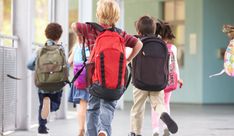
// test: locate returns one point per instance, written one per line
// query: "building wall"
(192, 70)
(216, 13)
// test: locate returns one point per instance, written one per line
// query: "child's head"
(164, 30)
(146, 25)
(53, 31)
(229, 30)
(108, 12)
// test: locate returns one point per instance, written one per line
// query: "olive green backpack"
(51, 71)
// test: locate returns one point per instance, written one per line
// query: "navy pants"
(55, 100)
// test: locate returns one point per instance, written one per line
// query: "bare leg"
(82, 117)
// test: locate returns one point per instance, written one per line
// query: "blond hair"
(108, 12)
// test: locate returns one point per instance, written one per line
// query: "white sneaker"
(155, 132)
(102, 133)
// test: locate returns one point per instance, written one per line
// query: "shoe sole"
(171, 124)
(45, 108)
(43, 135)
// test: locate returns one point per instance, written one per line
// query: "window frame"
(174, 24)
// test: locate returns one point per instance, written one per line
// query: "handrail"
(9, 37)
(38, 44)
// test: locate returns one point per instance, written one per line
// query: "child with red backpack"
(107, 44)
(164, 31)
(150, 72)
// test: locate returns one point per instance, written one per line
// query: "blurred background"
(197, 25)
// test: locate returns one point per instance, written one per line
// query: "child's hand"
(180, 81)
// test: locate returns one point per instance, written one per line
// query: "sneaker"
(102, 133)
(43, 131)
(156, 131)
(171, 124)
(43, 135)
(166, 132)
(133, 134)
(45, 108)
(155, 134)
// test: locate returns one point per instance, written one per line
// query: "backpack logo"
(172, 75)
(51, 72)
(150, 66)
(108, 55)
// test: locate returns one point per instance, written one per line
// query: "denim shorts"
(78, 94)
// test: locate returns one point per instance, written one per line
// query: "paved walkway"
(193, 120)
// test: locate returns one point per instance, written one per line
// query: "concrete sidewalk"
(193, 120)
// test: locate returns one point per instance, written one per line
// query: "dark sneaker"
(42, 130)
(133, 134)
(166, 132)
(171, 124)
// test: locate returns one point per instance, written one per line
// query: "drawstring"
(218, 74)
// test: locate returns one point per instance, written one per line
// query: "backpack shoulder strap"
(101, 29)
(96, 26)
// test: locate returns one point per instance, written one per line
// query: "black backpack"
(150, 66)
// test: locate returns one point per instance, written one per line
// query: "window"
(6, 20)
(73, 17)
(174, 13)
(41, 20)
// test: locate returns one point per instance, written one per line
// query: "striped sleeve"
(130, 41)
(83, 29)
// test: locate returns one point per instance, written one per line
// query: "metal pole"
(22, 27)
(61, 16)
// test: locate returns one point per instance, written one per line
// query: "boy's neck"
(106, 26)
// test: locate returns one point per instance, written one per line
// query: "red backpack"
(108, 55)
(172, 75)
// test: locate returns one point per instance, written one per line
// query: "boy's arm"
(135, 51)
(32, 61)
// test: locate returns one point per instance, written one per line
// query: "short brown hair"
(53, 31)
(146, 25)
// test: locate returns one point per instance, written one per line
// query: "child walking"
(164, 31)
(80, 93)
(49, 102)
(146, 27)
(100, 111)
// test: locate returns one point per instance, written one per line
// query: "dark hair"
(164, 30)
(146, 25)
(53, 31)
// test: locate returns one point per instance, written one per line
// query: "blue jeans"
(55, 100)
(100, 113)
